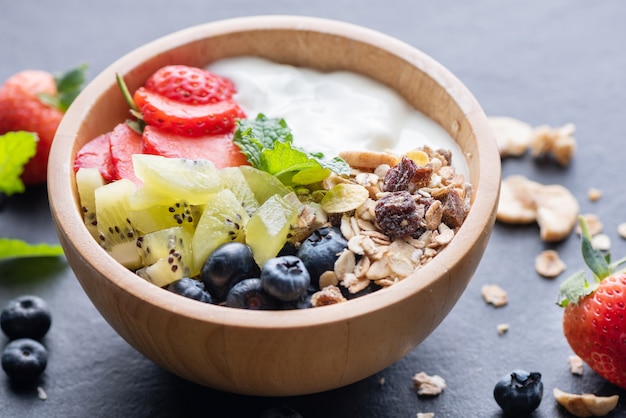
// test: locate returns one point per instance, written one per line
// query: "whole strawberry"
(594, 319)
(35, 101)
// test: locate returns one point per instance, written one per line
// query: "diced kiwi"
(167, 180)
(157, 217)
(116, 233)
(232, 178)
(268, 229)
(223, 220)
(166, 255)
(87, 181)
(263, 184)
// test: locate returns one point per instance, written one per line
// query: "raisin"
(397, 215)
(399, 176)
(453, 207)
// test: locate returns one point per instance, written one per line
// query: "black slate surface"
(543, 62)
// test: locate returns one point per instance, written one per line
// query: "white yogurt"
(331, 112)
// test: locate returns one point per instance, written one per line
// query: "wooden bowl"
(279, 353)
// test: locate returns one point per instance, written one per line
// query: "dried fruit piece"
(553, 207)
(400, 176)
(344, 197)
(513, 136)
(587, 404)
(398, 215)
(558, 143)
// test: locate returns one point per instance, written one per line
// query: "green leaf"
(267, 144)
(12, 248)
(16, 149)
(593, 257)
(575, 288)
(69, 85)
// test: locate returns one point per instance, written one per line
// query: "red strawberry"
(35, 101)
(125, 142)
(187, 119)
(218, 148)
(190, 85)
(97, 153)
(594, 319)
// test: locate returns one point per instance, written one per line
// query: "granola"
(401, 212)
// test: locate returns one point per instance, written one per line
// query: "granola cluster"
(407, 212)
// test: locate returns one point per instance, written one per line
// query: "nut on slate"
(427, 385)
(549, 264)
(512, 135)
(559, 143)
(553, 207)
(586, 405)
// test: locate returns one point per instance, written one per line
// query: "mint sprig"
(577, 286)
(69, 85)
(267, 144)
(16, 149)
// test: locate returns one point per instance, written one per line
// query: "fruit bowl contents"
(270, 227)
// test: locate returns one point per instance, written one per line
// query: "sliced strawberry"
(124, 142)
(97, 153)
(217, 148)
(190, 85)
(186, 119)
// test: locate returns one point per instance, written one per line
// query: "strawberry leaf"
(594, 258)
(575, 288)
(16, 148)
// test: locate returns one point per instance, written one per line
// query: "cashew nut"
(586, 405)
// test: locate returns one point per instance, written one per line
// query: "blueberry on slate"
(24, 359)
(190, 288)
(320, 251)
(26, 317)
(249, 294)
(285, 278)
(519, 393)
(227, 265)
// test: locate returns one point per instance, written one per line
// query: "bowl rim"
(69, 223)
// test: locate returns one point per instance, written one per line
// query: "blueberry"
(190, 288)
(24, 359)
(26, 317)
(249, 294)
(371, 287)
(320, 251)
(519, 393)
(227, 265)
(285, 278)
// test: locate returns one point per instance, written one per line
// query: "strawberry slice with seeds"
(217, 148)
(97, 154)
(187, 119)
(124, 142)
(190, 85)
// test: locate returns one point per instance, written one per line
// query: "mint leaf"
(12, 248)
(16, 148)
(267, 144)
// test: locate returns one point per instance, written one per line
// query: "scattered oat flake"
(621, 230)
(494, 295)
(425, 415)
(41, 393)
(549, 264)
(594, 194)
(381, 381)
(428, 385)
(502, 328)
(601, 242)
(575, 364)
(594, 224)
